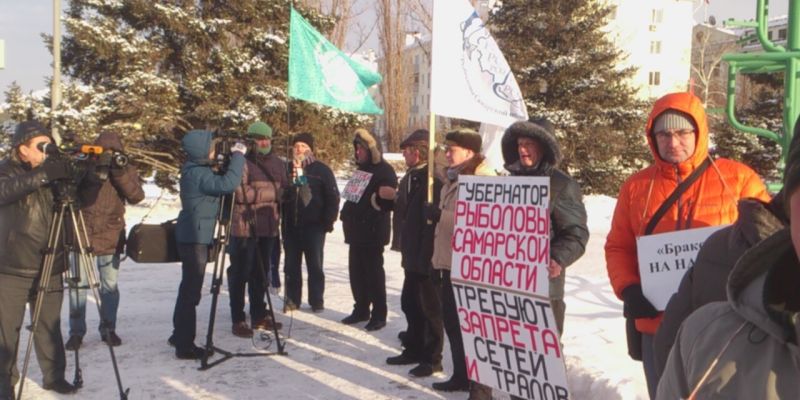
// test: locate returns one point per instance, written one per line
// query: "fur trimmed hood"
(364, 138)
(543, 132)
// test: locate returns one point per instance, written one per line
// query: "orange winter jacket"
(711, 200)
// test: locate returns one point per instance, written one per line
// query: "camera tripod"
(67, 224)
(221, 237)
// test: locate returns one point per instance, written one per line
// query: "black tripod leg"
(222, 230)
(72, 288)
(44, 281)
(87, 264)
(270, 310)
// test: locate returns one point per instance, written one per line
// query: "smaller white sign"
(664, 259)
(356, 186)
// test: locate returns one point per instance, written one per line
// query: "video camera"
(222, 142)
(83, 159)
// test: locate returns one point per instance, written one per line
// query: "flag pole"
(431, 154)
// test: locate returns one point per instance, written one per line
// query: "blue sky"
(29, 63)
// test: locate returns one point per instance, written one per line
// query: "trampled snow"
(326, 359)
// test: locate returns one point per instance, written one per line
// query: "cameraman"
(103, 206)
(200, 189)
(26, 213)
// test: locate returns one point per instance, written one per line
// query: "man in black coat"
(419, 300)
(530, 148)
(310, 209)
(366, 223)
(26, 214)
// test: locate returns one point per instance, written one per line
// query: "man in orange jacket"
(677, 133)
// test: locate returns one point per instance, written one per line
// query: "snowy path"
(326, 359)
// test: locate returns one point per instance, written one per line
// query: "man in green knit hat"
(254, 231)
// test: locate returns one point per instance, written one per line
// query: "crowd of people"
(745, 340)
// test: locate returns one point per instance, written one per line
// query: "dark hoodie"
(367, 223)
(201, 188)
(568, 230)
(103, 202)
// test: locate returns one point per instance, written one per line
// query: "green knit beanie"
(259, 128)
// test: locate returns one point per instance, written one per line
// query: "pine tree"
(153, 70)
(764, 110)
(567, 70)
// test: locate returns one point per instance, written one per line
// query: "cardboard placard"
(665, 257)
(356, 186)
(501, 250)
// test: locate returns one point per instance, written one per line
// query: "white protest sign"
(664, 259)
(356, 185)
(501, 250)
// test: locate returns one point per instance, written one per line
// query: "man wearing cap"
(254, 231)
(310, 208)
(366, 225)
(747, 347)
(26, 214)
(419, 300)
(677, 133)
(530, 148)
(463, 153)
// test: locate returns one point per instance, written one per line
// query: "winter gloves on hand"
(635, 305)
(239, 147)
(432, 212)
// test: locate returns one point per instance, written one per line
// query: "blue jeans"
(108, 268)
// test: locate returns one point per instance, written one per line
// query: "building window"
(655, 47)
(657, 16)
(782, 34)
(655, 78)
(769, 35)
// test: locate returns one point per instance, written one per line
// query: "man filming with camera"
(26, 214)
(103, 197)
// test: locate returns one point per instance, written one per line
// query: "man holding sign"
(365, 221)
(683, 189)
(530, 148)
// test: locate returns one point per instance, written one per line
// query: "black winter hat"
(28, 130)
(304, 137)
(417, 138)
(466, 138)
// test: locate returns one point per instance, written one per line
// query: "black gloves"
(56, 168)
(635, 305)
(432, 212)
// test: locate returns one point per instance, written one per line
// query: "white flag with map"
(470, 78)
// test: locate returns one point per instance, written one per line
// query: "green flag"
(321, 73)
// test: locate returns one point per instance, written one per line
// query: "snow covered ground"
(326, 359)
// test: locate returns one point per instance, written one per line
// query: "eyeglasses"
(681, 134)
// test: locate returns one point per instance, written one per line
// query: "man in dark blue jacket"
(366, 223)
(201, 189)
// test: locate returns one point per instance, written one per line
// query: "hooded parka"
(367, 223)
(706, 281)
(753, 336)
(568, 231)
(103, 201)
(201, 189)
(710, 201)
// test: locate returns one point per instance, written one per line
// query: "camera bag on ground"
(153, 243)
